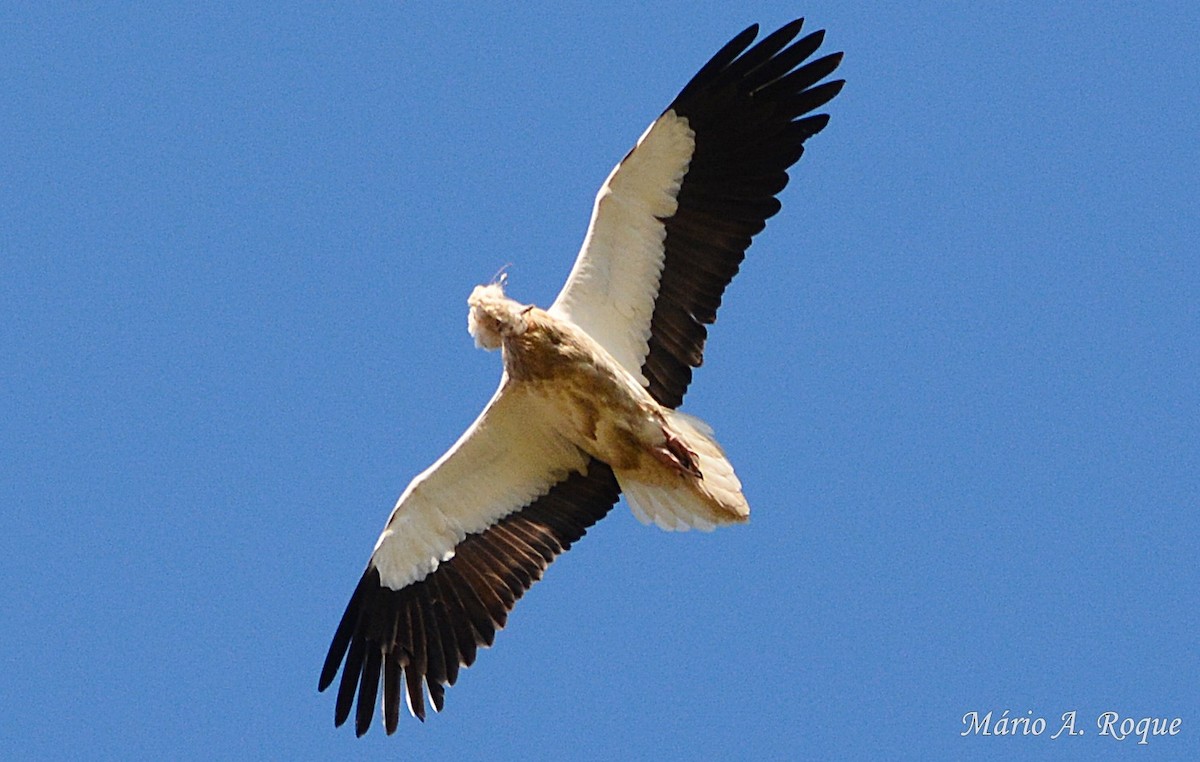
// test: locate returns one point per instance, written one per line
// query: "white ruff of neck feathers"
(493, 315)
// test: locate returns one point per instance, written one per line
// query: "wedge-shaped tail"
(683, 501)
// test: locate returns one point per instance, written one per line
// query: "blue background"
(959, 375)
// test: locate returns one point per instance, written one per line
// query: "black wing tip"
(368, 690)
(828, 64)
(473, 592)
(743, 38)
(326, 678)
(752, 108)
(743, 62)
(437, 696)
(823, 93)
(722, 59)
(346, 629)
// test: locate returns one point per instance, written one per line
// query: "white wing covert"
(611, 290)
(508, 457)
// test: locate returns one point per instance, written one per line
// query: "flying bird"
(586, 407)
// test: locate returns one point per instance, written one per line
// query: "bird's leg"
(677, 455)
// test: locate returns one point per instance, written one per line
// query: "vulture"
(586, 406)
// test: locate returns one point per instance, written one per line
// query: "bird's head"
(493, 316)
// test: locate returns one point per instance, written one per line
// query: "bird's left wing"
(672, 222)
(465, 541)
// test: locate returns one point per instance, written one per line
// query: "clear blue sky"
(959, 375)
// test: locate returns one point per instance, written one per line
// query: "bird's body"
(601, 408)
(586, 406)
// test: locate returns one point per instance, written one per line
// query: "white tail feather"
(676, 501)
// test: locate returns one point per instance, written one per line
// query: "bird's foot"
(677, 455)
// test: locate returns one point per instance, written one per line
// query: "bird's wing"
(672, 222)
(669, 229)
(465, 541)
